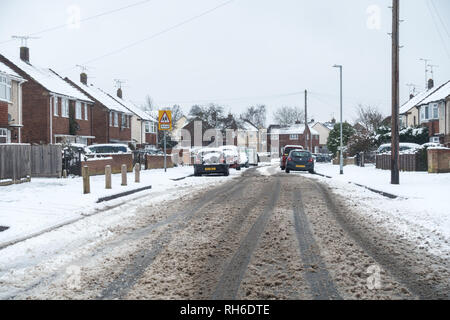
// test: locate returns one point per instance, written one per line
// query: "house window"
(55, 106)
(147, 127)
(78, 115)
(293, 137)
(4, 136)
(124, 120)
(65, 108)
(154, 127)
(110, 119)
(427, 113)
(5, 88)
(85, 111)
(116, 119)
(435, 111)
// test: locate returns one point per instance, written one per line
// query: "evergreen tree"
(334, 140)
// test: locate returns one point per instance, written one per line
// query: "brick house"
(112, 121)
(10, 105)
(297, 134)
(144, 127)
(52, 110)
(434, 113)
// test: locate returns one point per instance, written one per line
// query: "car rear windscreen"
(300, 154)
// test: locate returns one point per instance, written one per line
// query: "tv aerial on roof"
(24, 39)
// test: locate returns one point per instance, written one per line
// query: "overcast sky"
(242, 53)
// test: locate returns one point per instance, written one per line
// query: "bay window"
(65, 107)
(86, 112)
(5, 88)
(78, 110)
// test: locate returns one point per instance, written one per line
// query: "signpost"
(165, 124)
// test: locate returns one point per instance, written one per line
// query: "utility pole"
(395, 175)
(341, 156)
(306, 117)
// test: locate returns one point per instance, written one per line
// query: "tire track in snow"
(233, 274)
(322, 286)
(121, 285)
(405, 269)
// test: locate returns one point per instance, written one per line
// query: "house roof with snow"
(441, 93)
(7, 70)
(324, 125)
(48, 79)
(101, 96)
(422, 97)
(293, 129)
(142, 114)
(248, 126)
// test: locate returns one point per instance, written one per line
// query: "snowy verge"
(31, 208)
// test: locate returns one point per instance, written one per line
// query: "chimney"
(411, 96)
(83, 78)
(298, 122)
(25, 54)
(430, 84)
(119, 93)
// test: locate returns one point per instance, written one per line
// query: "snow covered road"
(261, 234)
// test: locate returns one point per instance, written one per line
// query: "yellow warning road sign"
(165, 120)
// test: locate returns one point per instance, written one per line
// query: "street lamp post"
(341, 156)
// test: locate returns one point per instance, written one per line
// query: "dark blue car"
(300, 160)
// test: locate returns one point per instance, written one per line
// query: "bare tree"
(256, 115)
(369, 117)
(286, 116)
(177, 113)
(148, 105)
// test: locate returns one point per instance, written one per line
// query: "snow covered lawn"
(422, 212)
(29, 208)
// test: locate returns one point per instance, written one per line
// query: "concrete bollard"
(124, 174)
(108, 177)
(64, 174)
(137, 173)
(86, 182)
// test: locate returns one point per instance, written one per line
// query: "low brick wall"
(438, 160)
(97, 165)
(157, 162)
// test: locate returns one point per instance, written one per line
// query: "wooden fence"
(19, 161)
(15, 162)
(46, 161)
(407, 162)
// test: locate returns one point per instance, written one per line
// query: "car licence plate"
(300, 166)
(210, 169)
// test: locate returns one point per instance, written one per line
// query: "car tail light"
(289, 159)
(310, 160)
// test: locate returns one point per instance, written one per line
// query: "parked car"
(231, 156)
(285, 153)
(100, 149)
(300, 160)
(243, 157)
(253, 158)
(211, 161)
(404, 147)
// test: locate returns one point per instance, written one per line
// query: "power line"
(437, 29)
(159, 33)
(85, 19)
(440, 18)
(274, 96)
